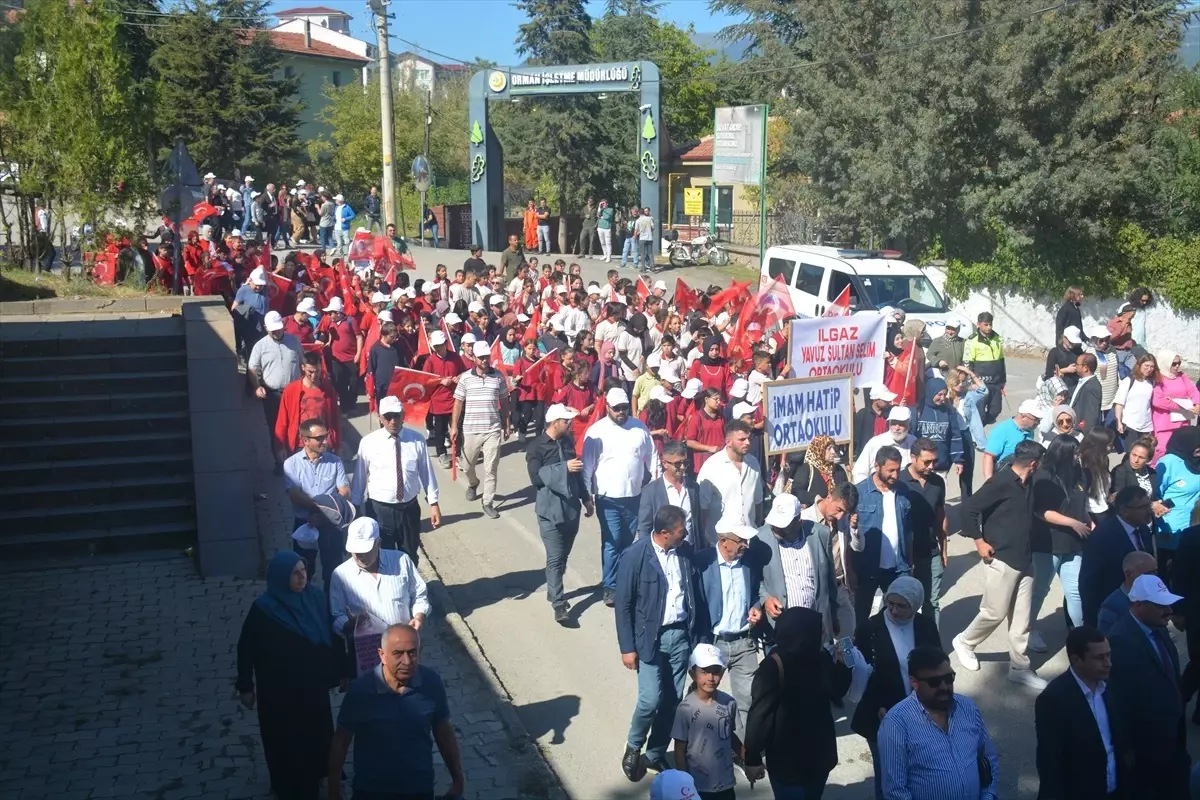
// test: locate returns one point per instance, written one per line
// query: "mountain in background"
(1189, 50)
(712, 41)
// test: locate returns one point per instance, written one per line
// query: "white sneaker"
(1027, 677)
(1036, 643)
(966, 656)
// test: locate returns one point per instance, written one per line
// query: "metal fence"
(743, 230)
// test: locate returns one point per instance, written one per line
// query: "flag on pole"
(497, 359)
(278, 289)
(685, 298)
(423, 348)
(446, 330)
(413, 388)
(535, 322)
(841, 306)
(762, 317)
(738, 294)
(643, 291)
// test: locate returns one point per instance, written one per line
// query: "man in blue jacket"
(660, 616)
(883, 544)
(937, 421)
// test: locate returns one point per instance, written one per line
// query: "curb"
(508, 713)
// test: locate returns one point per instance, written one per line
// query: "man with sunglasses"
(393, 467)
(313, 472)
(677, 488)
(934, 743)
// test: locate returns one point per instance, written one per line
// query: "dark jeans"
(865, 595)
(1131, 436)
(529, 411)
(558, 540)
(618, 523)
(587, 240)
(928, 570)
(271, 411)
(660, 686)
(797, 791)
(326, 238)
(440, 432)
(724, 794)
(645, 254)
(331, 546)
(990, 409)
(399, 525)
(345, 382)
(966, 481)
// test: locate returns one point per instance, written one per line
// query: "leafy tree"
(220, 86)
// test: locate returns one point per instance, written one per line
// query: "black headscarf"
(1183, 443)
(798, 631)
(705, 359)
(639, 327)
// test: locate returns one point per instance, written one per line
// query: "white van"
(817, 275)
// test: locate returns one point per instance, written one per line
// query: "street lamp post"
(422, 178)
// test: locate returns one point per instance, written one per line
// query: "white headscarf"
(903, 634)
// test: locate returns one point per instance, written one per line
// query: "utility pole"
(425, 192)
(385, 112)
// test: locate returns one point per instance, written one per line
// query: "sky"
(467, 29)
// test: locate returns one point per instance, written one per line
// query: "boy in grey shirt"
(704, 731)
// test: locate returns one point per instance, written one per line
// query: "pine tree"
(220, 86)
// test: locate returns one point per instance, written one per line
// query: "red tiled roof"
(703, 151)
(310, 11)
(294, 43)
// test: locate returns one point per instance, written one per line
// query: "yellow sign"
(497, 81)
(693, 202)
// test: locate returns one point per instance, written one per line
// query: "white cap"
(468, 338)
(391, 405)
(410, 293)
(1072, 334)
(335, 304)
(559, 411)
(208, 175)
(784, 509)
(692, 388)
(320, 189)
(306, 306)
(397, 293)
(735, 526)
(254, 195)
(496, 300)
(452, 319)
(437, 337)
(593, 289)
(481, 349)
(954, 322)
(653, 360)
(378, 297)
(556, 323)
(669, 372)
(273, 322)
(307, 535)
(1151, 589)
(706, 655)
(562, 289)
(522, 317)
(248, 179)
(899, 414)
(740, 388)
(386, 316)
(660, 394)
(1031, 408)
(1099, 331)
(616, 397)
(742, 409)
(881, 392)
(660, 285)
(338, 197)
(361, 229)
(258, 277)
(363, 533)
(475, 307)
(674, 784)
(887, 311)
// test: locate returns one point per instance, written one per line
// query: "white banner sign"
(840, 346)
(799, 410)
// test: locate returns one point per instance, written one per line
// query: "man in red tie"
(393, 467)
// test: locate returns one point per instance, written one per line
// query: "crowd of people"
(643, 406)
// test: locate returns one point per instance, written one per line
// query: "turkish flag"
(762, 317)
(348, 298)
(535, 322)
(423, 348)
(643, 291)
(841, 306)
(381, 249)
(737, 293)
(203, 210)
(537, 370)
(414, 389)
(104, 270)
(278, 289)
(361, 249)
(685, 298)
(326, 283)
(497, 359)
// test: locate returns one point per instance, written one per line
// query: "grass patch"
(22, 284)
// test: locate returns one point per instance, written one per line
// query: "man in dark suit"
(1146, 693)
(1086, 397)
(676, 488)
(729, 577)
(1081, 747)
(1100, 571)
(660, 617)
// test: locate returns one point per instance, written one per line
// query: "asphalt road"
(569, 686)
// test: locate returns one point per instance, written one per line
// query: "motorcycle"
(700, 251)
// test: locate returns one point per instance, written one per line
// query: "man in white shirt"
(897, 435)
(393, 467)
(730, 483)
(376, 587)
(618, 455)
(467, 291)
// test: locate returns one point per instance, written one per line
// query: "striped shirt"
(393, 594)
(920, 761)
(481, 396)
(799, 577)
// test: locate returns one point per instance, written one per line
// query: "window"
(910, 293)
(780, 266)
(809, 279)
(724, 205)
(837, 282)
(337, 79)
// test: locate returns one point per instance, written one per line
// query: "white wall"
(1027, 324)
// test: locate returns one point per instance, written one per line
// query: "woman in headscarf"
(815, 476)
(1179, 481)
(1059, 419)
(907, 380)
(884, 641)
(711, 368)
(510, 346)
(1174, 402)
(606, 367)
(286, 666)
(790, 719)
